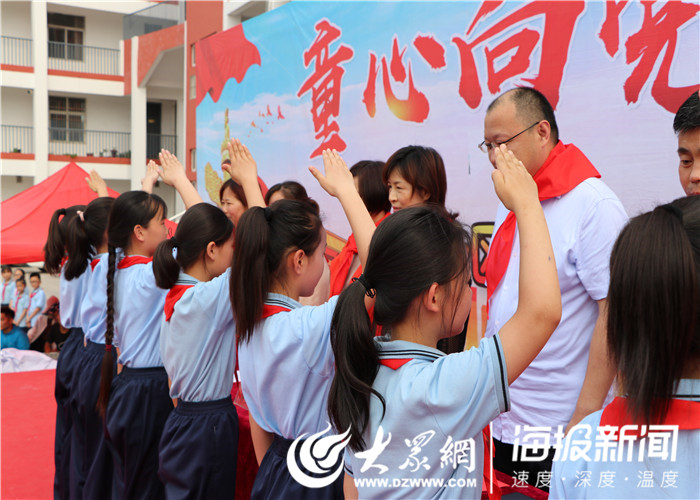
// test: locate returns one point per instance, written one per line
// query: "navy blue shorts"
(64, 422)
(97, 459)
(275, 482)
(139, 405)
(199, 450)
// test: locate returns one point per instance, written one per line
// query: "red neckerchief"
(174, 294)
(340, 265)
(31, 296)
(566, 167)
(395, 363)
(93, 263)
(270, 310)
(131, 260)
(64, 260)
(681, 412)
(4, 285)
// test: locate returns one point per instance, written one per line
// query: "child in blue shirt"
(37, 300)
(12, 336)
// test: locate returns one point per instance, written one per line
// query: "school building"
(105, 84)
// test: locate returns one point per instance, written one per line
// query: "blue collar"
(402, 349)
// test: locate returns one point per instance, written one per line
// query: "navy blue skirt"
(63, 391)
(97, 458)
(139, 405)
(275, 482)
(199, 450)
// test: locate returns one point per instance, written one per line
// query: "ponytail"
(264, 237)
(85, 234)
(202, 224)
(165, 267)
(250, 273)
(108, 358)
(55, 247)
(356, 365)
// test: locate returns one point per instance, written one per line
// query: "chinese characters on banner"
(530, 44)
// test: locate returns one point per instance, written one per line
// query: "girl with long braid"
(138, 404)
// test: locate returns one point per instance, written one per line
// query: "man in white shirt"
(584, 218)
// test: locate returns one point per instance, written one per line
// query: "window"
(66, 36)
(192, 52)
(67, 119)
(193, 87)
(193, 159)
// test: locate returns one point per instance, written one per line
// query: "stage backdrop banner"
(367, 78)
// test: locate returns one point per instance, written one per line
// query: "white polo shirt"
(287, 367)
(198, 343)
(583, 226)
(436, 408)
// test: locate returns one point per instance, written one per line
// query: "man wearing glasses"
(584, 218)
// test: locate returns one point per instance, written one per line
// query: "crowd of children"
(158, 325)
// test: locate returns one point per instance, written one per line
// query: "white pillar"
(138, 120)
(40, 101)
(181, 132)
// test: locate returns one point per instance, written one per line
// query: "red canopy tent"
(25, 217)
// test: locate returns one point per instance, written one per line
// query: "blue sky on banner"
(632, 144)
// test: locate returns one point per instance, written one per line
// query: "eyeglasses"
(486, 147)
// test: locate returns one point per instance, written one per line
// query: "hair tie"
(369, 290)
(673, 210)
(173, 242)
(108, 347)
(81, 214)
(268, 214)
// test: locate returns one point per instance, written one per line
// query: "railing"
(17, 139)
(63, 141)
(16, 51)
(156, 142)
(84, 59)
(154, 18)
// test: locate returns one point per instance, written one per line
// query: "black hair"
(21, 280)
(129, 210)
(688, 115)
(20, 270)
(436, 249)
(201, 224)
(654, 304)
(236, 189)
(5, 267)
(85, 235)
(35, 275)
(532, 106)
(291, 190)
(7, 311)
(55, 247)
(264, 237)
(423, 168)
(372, 188)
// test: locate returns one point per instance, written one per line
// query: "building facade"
(104, 84)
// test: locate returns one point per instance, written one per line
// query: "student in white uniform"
(409, 407)
(138, 404)
(87, 240)
(8, 285)
(71, 291)
(285, 359)
(654, 341)
(198, 448)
